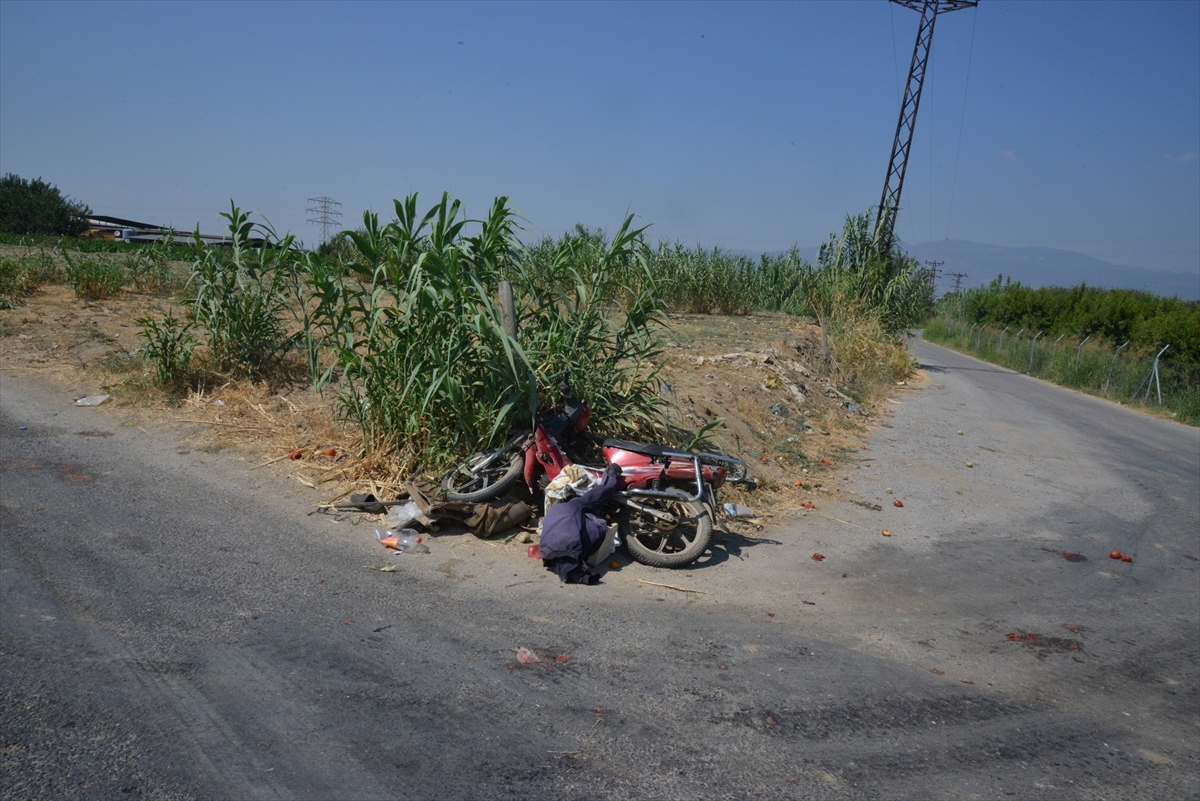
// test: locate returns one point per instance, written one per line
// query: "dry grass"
(85, 348)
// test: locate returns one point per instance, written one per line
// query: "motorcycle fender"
(531, 465)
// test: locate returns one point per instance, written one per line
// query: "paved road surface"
(174, 625)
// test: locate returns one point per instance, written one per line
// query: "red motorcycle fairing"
(641, 464)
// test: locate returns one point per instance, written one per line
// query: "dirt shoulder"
(754, 372)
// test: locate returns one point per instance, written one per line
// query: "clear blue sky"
(749, 125)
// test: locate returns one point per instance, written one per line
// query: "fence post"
(1080, 350)
(508, 310)
(1110, 368)
(1054, 350)
(971, 334)
(1033, 345)
(1000, 338)
(1154, 375)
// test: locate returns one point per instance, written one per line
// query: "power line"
(324, 215)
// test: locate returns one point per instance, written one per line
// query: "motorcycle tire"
(652, 544)
(468, 484)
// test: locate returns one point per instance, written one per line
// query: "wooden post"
(508, 310)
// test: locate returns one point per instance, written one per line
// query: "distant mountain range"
(1037, 267)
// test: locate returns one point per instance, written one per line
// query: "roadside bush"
(22, 276)
(36, 207)
(149, 266)
(413, 335)
(240, 296)
(94, 278)
(168, 345)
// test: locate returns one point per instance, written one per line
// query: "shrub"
(414, 335)
(36, 207)
(239, 296)
(168, 345)
(94, 278)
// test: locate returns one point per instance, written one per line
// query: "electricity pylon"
(889, 204)
(324, 214)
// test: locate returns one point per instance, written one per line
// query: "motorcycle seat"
(644, 448)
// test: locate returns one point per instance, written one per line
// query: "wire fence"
(1120, 373)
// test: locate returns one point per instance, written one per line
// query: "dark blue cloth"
(572, 532)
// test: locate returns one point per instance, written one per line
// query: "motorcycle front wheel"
(469, 482)
(657, 543)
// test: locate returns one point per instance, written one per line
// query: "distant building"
(116, 229)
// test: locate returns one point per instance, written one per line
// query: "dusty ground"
(179, 624)
(756, 372)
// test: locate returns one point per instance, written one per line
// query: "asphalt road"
(175, 625)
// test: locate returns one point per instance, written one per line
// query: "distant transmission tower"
(325, 215)
(958, 277)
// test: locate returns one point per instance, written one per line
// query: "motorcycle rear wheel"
(469, 484)
(652, 543)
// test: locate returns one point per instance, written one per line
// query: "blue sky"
(749, 125)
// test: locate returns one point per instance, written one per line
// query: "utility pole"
(889, 204)
(958, 277)
(934, 272)
(324, 214)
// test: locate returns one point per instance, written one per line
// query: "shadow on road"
(935, 368)
(728, 544)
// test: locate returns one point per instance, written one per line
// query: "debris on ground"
(818, 557)
(91, 400)
(527, 657)
(737, 510)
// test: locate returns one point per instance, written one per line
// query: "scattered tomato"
(770, 614)
(1012, 635)
(331, 451)
(613, 565)
(762, 459)
(825, 461)
(898, 504)
(817, 557)
(1114, 554)
(1032, 636)
(770, 720)
(1126, 558)
(295, 455)
(599, 710)
(886, 533)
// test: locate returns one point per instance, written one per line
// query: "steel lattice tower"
(324, 214)
(889, 204)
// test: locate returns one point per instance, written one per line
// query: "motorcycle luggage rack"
(694, 458)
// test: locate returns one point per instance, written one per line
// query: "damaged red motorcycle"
(667, 500)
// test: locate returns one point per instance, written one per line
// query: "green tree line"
(1145, 320)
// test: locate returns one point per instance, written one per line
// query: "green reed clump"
(22, 276)
(93, 277)
(411, 331)
(242, 297)
(168, 345)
